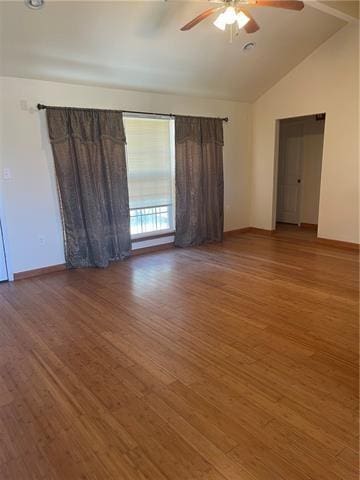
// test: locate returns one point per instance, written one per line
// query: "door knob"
(299, 180)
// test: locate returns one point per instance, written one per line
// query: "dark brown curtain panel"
(90, 164)
(199, 180)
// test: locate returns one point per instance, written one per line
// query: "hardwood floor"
(226, 362)
(286, 230)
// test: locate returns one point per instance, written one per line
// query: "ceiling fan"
(233, 11)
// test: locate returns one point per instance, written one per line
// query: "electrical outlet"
(41, 240)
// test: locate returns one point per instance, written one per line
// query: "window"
(150, 166)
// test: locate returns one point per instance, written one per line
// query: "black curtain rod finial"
(40, 106)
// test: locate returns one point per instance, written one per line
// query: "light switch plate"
(7, 173)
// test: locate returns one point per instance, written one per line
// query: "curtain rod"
(44, 107)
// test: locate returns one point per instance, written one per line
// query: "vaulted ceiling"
(347, 7)
(139, 45)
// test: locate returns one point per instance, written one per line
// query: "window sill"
(160, 241)
(152, 236)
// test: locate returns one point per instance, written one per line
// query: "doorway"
(3, 266)
(300, 150)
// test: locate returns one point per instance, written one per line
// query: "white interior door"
(3, 270)
(289, 172)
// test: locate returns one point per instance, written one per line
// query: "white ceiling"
(139, 45)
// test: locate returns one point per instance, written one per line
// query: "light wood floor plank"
(233, 361)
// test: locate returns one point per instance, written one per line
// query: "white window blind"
(150, 169)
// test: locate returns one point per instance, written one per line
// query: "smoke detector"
(248, 46)
(34, 4)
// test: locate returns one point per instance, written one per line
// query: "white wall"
(29, 199)
(326, 81)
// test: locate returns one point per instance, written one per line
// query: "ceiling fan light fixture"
(230, 15)
(220, 22)
(242, 19)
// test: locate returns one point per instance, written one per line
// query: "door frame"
(2, 247)
(296, 119)
(4, 239)
(300, 122)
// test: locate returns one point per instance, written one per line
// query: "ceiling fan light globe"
(220, 22)
(242, 19)
(230, 15)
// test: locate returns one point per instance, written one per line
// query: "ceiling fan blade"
(288, 4)
(251, 26)
(200, 18)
